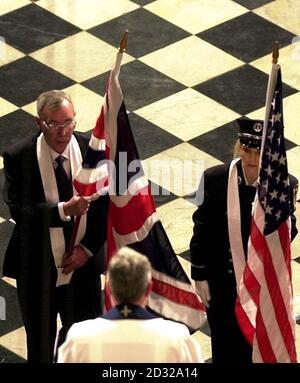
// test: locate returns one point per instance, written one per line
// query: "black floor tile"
(149, 138)
(6, 229)
(297, 259)
(142, 2)
(12, 312)
(252, 4)
(147, 32)
(161, 195)
(22, 81)
(289, 144)
(31, 27)
(4, 212)
(15, 126)
(141, 85)
(219, 142)
(249, 36)
(196, 197)
(242, 90)
(7, 356)
(99, 83)
(206, 330)
(186, 255)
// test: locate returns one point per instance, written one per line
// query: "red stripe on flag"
(251, 284)
(244, 322)
(126, 220)
(98, 131)
(263, 341)
(253, 288)
(177, 295)
(284, 236)
(261, 246)
(85, 190)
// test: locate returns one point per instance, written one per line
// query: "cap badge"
(257, 127)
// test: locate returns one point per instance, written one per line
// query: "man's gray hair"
(129, 274)
(51, 99)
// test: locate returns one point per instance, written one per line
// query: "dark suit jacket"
(210, 246)
(212, 261)
(29, 248)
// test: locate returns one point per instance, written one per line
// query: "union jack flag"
(133, 219)
(92, 178)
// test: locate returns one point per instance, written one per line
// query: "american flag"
(265, 304)
(133, 219)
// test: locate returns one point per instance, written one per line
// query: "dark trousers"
(77, 301)
(227, 340)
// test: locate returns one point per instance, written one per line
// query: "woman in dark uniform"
(211, 243)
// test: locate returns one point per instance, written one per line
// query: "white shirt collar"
(245, 178)
(54, 154)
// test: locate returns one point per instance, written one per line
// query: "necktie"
(64, 184)
(65, 192)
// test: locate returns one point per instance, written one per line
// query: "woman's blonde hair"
(237, 149)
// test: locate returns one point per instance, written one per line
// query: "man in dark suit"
(211, 247)
(39, 192)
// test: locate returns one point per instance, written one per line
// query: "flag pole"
(275, 52)
(123, 42)
(122, 48)
(270, 91)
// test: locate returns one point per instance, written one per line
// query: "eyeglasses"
(56, 125)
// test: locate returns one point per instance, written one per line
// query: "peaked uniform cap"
(250, 132)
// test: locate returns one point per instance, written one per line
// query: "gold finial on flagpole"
(275, 52)
(123, 43)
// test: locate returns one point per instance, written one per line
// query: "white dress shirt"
(67, 168)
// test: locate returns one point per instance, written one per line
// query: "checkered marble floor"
(191, 68)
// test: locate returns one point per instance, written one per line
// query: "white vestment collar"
(234, 223)
(51, 195)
